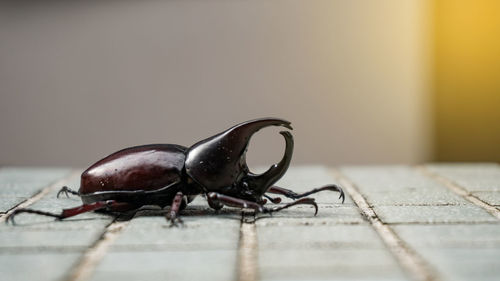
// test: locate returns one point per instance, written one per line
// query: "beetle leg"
(31, 211)
(174, 210)
(291, 194)
(111, 205)
(66, 213)
(275, 200)
(67, 190)
(282, 191)
(214, 203)
(302, 201)
(220, 200)
(240, 203)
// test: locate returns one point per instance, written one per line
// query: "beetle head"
(219, 163)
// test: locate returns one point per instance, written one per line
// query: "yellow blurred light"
(467, 80)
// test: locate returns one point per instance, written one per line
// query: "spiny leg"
(31, 211)
(282, 191)
(221, 199)
(174, 210)
(275, 200)
(67, 190)
(291, 194)
(66, 213)
(302, 201)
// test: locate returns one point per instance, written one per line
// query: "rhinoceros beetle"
(172, 175)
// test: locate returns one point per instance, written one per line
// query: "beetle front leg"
(172, 215)
(219, 200)
(291, 194)
(275, 200)
(240, 203)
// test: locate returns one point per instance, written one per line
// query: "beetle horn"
(263, 181)
(219, 161)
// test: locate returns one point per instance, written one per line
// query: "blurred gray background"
(81, 80)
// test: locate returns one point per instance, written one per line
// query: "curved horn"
(262, 182)
(219, 161)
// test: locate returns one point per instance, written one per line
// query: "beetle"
(173, 175)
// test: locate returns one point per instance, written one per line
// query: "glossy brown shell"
(146, 167)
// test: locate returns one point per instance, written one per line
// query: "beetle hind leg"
(67, 190)
(31, 211)
(109, 205)
(293, 195)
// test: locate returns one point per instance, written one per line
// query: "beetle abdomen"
(146, 167)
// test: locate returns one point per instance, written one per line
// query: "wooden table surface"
(428, 222)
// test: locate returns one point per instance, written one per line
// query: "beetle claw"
(66, 190)
(176, 222)
(10, 219)
(342, 196)
(62, 191)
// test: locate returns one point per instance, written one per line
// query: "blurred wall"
(467, 80)
(81, 80)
